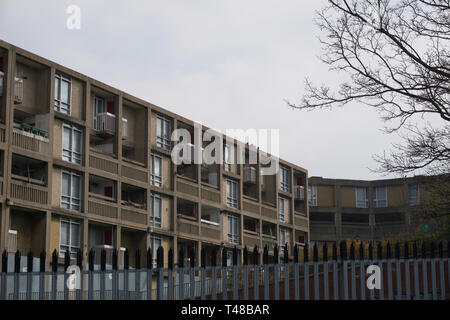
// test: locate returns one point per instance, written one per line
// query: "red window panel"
(108, 238)
(108, 191)
(110, 107)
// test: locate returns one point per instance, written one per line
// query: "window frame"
(358, 202)
(57, 103)
(227, 157)
(71, 158)
(282, 209)
(70, 222)
(417, 198)
(70, 203)
(164, 140)
(312, 195)
(153, 219)
(233, 236)
(380, 203)
(285, 174)
(156, 180)
(232, 197)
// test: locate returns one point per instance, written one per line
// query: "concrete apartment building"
(84, 165)
(364, 210)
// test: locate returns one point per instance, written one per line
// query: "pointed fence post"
(361, 251)
(397, 250)
(275, 254)
(42, 258)
(235, 256)
(214, 257)
(415, 254)
(160, 279)
(91, 261)
(266, 255)
(370, 251)
(54, 273)
(441, 250)
(255, 255)
(335, 255)
(305, 253)
(137, 274)
(325, 252)
(286, 254)
(379, 251)
(406, 250)
(245, 262)
(315, 253)
(424, 250)
(352, 251)
(432, 250)
(66, 276)
(388, 251)
(4, 262)
(29, 271)
(295, 254)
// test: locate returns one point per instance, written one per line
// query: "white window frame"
(232, 193)
(156, 180)
(153, 240)
(70, 247)
(283, 233)
(361, 203)
(281, 209)
(413, 201)
(380, 202)
(153, 219)
(59, 105)
(72, 156)
(71, 201)
(233, 223)
(163, 140)
(285, 179)
(312, 195)
(227, 157)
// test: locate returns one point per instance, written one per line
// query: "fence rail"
(402, 276)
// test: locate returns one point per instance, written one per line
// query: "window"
(413, 194)
(155, 211)
(281, 209)
(355, 218)
(312, 195)
(163, 132)
(63, 87)
(71, 144)
(322, 217)
(282, 238)
(69, 237)
(227, 156)
(361, 197)
(71, 191)
(380, 200)
(233, 229)
(156, 171)
(155, 243)
(232, 194)
(285, 178)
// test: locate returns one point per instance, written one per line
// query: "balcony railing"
(30, 140)
(249, 175)
(102, 208)
(2, 75)
(105, 123)
(18, 90)
(299, 193)
(29, 192)
(98, 253)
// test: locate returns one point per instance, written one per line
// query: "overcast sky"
(227, 63)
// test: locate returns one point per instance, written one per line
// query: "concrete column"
(48, 220)
(338, 216)
(85, 241)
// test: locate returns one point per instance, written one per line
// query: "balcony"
(98, 253)
(30, 138)
(269, 241)
(299, 193)
(249, 175)
(105, 123)
(27, 191)
(2, 76)
(18, 90)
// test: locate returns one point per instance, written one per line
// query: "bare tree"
(396, 58)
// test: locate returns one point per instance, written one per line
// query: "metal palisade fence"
(399, 272)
